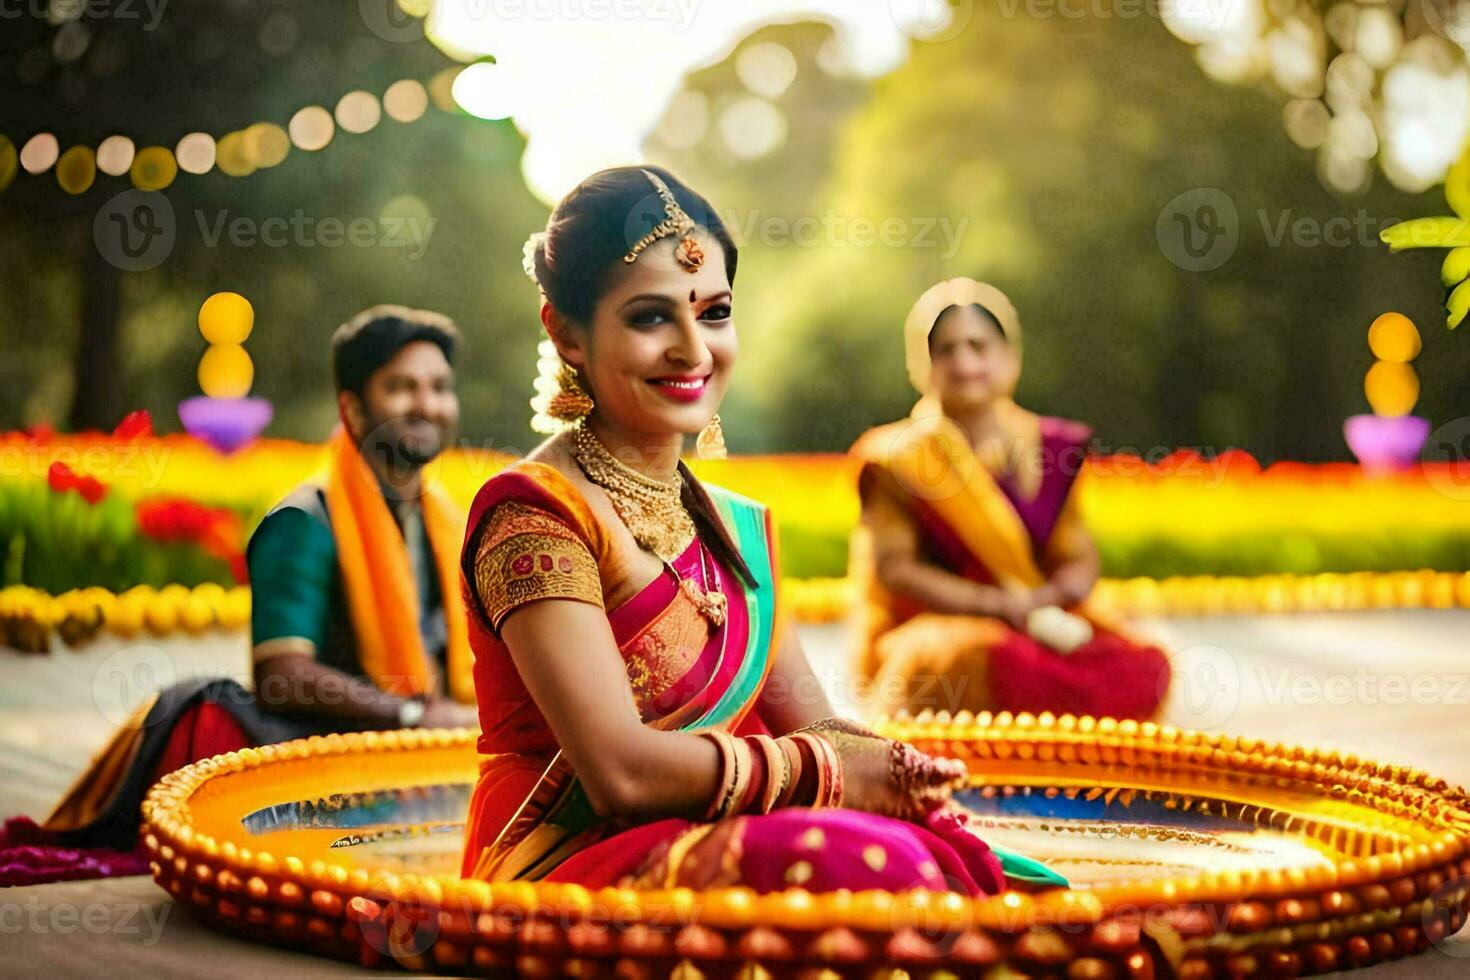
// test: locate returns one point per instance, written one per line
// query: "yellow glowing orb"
(226, 318)
(225, 371)
(1392, 389)
(76, 170)
(154, 168)
(9, 162)
(1393, 337)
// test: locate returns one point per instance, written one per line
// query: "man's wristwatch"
(411, 712)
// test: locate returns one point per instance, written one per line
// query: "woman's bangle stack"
(759, 773)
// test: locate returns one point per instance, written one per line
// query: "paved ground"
(1387, 685)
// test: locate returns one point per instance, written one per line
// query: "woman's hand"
(888, 777)
(445, 712)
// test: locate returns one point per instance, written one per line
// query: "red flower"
(215, 529)
(173, 519)
(134, 425)
(61, 478)
(91, 489)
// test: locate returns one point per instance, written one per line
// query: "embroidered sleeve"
(526, 554)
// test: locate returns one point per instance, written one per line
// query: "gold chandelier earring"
(561, 401)
(710, 443)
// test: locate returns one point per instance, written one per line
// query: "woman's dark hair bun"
(597, 223)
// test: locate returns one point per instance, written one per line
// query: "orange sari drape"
(917, 658)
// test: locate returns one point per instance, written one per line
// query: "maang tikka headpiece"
(676, 222)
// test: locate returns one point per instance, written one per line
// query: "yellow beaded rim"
(1395, 901)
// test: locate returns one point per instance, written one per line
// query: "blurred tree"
(1039, 153)
(216, 67)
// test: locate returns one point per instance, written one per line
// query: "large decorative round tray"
(1189, 855)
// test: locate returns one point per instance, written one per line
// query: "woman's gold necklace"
(652, 509)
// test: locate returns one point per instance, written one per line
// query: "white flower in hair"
(528, 254)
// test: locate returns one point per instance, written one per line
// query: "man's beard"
(404, 443)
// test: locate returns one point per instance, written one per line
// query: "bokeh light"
(312, 128)
(195, 153)
(752, 127)
(232, 155)
(405, 100)
(267, 144)
(115, 155)
(39, 153)
(226, 318)
(225, 371)
(154, 168)
(358, 112)
(766, 68)
(9, 162)
(76, 170)
(485, 90)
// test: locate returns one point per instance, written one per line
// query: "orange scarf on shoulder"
(382, 597)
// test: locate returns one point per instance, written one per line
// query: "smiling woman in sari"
(973, 559)
(646, 712)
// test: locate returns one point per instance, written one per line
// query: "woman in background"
(972, 556)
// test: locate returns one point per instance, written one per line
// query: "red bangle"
(794, 769)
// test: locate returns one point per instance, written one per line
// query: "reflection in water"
(436, 803)
(1109, 835)
(416, 829)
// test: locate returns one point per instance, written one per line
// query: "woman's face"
(658, 353)
(972, 363)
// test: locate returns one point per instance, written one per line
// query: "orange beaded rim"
(1411, 891)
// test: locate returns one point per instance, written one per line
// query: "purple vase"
(227, 424)
(1385, 444)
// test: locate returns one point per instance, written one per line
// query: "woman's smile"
(681, 387)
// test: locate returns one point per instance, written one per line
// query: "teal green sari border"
(746, 521)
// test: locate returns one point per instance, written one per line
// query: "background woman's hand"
(445, 712)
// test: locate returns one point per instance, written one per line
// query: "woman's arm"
(793, 697)
(569, 663)
(566, 655)
(901, 567)
(1070, 562)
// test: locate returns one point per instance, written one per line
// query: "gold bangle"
(794, 768)
(725, 744)
(743, 768)
(776, 771)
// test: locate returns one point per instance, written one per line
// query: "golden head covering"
(938, 298)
